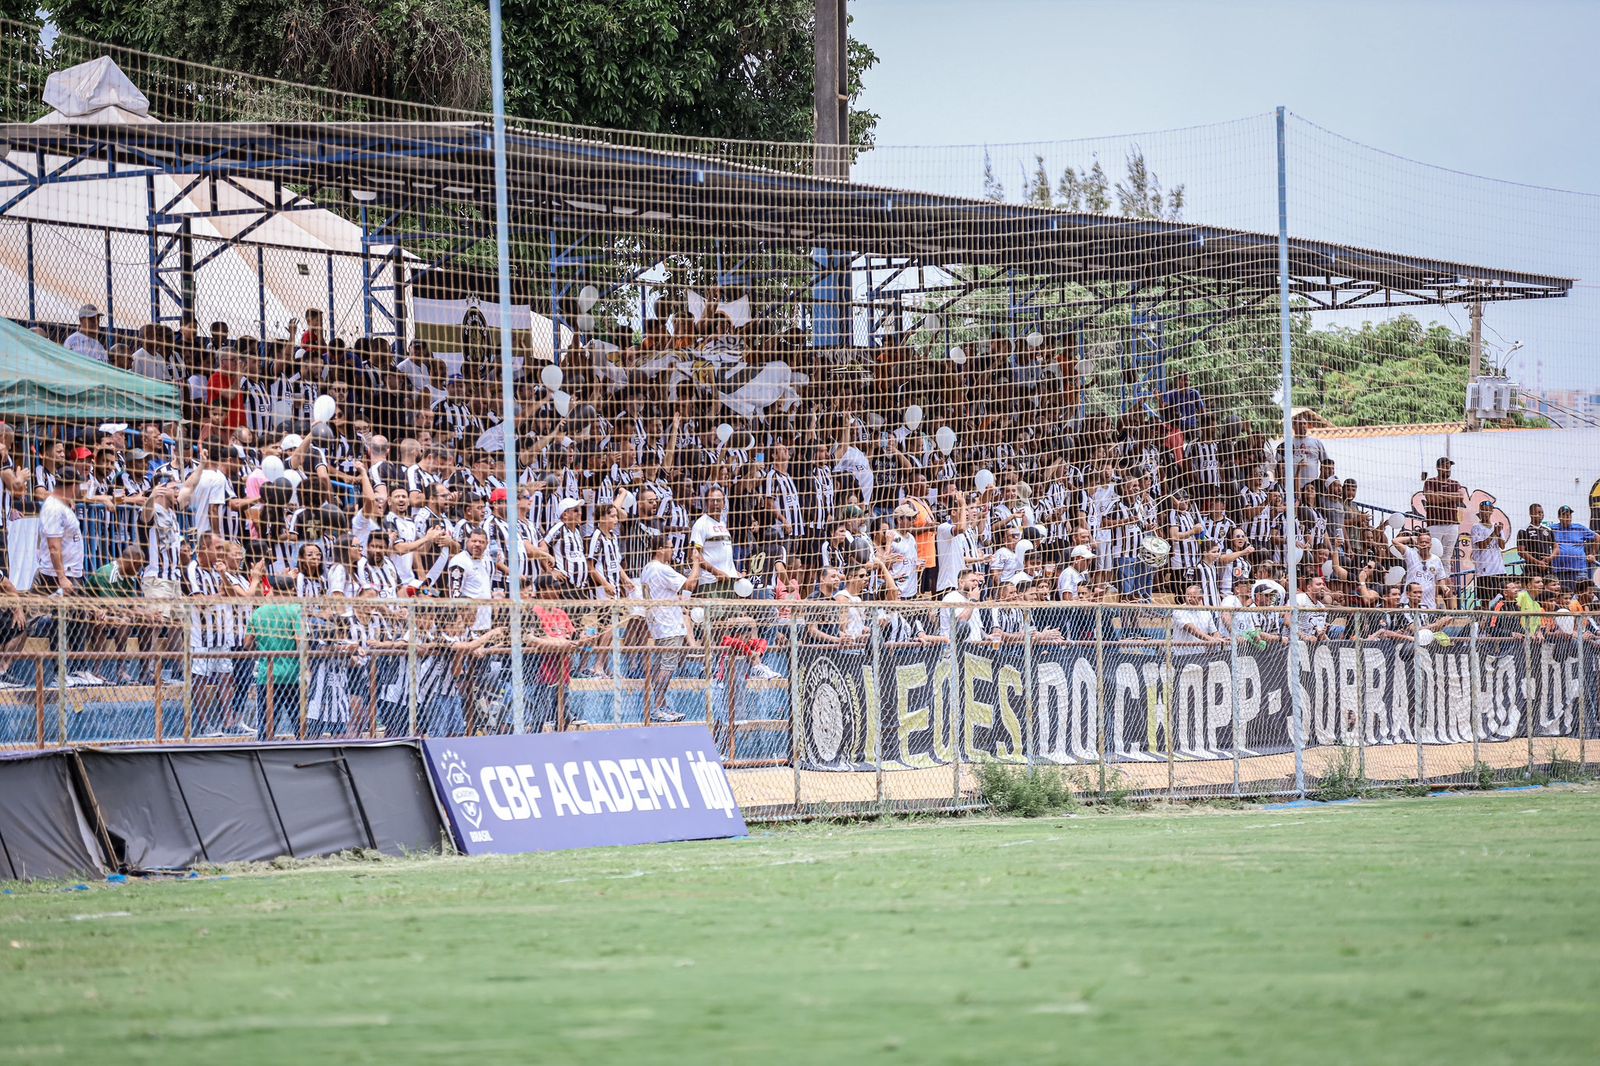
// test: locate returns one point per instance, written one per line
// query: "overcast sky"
(1504, 90)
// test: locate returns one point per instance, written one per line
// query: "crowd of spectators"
(655, 473)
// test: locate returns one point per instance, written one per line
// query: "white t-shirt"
(471, 579)
(1204, 621)
(86, 345)
(1067, 586)
(856, 464)
(1490, 561)
(951, 552)
(210, 491)
(1313, 616)
(1427, 573)
(661, 582)
(711, 536)
(58, 520)
(1005, 564)
(904, 567)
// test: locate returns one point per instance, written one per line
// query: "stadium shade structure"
(565, 192)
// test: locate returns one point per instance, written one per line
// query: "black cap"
(68, 475)
(1444, 460)
(1563, 509)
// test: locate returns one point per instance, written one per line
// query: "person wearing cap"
(85, 340)
(1575, 547)
(1488, 553)
(561, 549)
(1444, 501)
(905, 560)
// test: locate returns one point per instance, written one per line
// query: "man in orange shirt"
(925, 530)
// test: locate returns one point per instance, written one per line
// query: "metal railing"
(833, 706)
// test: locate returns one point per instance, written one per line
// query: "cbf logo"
(454, 770)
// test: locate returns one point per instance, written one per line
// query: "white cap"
(1083, 551)
(1020, 578)
(568, 504)
(291, 442)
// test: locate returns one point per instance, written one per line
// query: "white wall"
(1517, 468)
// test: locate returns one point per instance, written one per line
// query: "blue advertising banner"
(505, 795)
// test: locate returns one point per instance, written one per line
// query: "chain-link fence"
(843, 705)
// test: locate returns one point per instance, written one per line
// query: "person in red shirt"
(551, 635)
(225, 389)
(311, 339)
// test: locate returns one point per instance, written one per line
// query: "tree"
(1139, 194)
(428, 51)
(732, 69)
(992, 189)
(1039, 184)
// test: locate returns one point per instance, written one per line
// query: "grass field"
(1427, 930)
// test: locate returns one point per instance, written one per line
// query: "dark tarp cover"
(171, 808)
(43, 831)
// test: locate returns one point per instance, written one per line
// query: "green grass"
(1441, 930)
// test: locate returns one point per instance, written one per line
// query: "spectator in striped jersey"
(210, 627)
(606, 572)
(1184, 530)
(375, 571)
(561, 550)
(783, 497)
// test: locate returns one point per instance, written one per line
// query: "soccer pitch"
(1426, 930)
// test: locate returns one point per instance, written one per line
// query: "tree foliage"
(1138, 192)
(714, 68)
(1394, 372)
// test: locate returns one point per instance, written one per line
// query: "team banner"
(910, 706)
(553, 791)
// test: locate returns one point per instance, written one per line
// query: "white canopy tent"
(90, 239)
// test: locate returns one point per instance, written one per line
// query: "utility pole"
(832, 95)
(1475, 367)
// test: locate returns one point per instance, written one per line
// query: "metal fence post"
(1169, 683)
(876, 637)
(1529, 687)
(1582, 624)
(618, 620)
(1361, 697)
(796, 704)
(957, 707)
(188, 690)
(1417, 698)
(411, 669)
(1475, 704)
(302, 689)
(711, 670)
(1238, 725)
(1099, 617)
(61, 671)
(517, 687)
(1029, 711)
(1297, 724)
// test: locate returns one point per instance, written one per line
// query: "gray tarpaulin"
(43, 830)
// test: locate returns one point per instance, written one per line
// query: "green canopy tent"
(41, 380)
